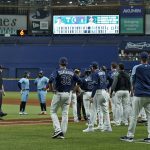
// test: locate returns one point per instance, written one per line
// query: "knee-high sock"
(44, 106)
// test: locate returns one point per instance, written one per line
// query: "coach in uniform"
(41, 83)
(63, 79)
(2, 92)
(23, 85)
(140, 79)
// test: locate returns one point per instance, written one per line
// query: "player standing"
(2, 92)
(99, 98)
(140, 79)
(122, 87)
(63, 80)
(23, 85)
(41, 83)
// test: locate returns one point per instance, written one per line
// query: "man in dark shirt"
(2, 93)
(122, 86)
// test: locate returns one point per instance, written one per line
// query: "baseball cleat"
(25, 113)
(98, 128)
(56, 134)
(107, 130)
(20, 113)
(43, 113)
(147, 140)
(127, 139)
(3, 114)
(88, 130)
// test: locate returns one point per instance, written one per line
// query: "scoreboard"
(86, 24)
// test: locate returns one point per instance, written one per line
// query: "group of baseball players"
(128, 96)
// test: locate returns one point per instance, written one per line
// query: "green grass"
(32, 95)
(33, 111)
(38, 137)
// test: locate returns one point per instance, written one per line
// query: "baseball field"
(33, 131)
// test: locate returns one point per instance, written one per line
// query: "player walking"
(41, 83)
(63, 80)
(23, 85)
(140, 78)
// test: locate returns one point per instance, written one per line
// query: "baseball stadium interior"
(29, 41)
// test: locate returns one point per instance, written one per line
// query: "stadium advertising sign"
(9, 24)
(135, 45)
(39, 21)
(86, 24)
(132, 21)
(147, 24)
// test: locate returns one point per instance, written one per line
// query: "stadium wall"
(20, 58)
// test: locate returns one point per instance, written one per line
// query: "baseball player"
(23, 85)
(122, 87)
(99, 98)
(110, 78)
(41, 82)
(140, 79)
(2, 92)
(87, 87)
(63, 79)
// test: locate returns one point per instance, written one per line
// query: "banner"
(39, 22)
(135, 45)
(9, 24)
(132, 11)
(132, 20)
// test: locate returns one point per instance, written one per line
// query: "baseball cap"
(144, 55)
(95, 64)
(40, 72)
(63, 61)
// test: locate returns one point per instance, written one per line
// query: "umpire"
(2, 92)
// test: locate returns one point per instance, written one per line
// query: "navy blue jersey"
(140, 79)
(87, 83)
(110, 77)
(99, 81)
(64, 79)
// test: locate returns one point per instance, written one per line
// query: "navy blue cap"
(63, 61)
(95, 64)
(144, 55)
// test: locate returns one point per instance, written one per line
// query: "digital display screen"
(86, 24)
(132, 26)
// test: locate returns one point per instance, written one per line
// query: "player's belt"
(25, 89)
(41, 89)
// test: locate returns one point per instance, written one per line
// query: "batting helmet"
(63, 61)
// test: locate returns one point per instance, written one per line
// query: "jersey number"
(66, 80)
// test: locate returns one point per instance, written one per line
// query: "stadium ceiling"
(65, 3)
